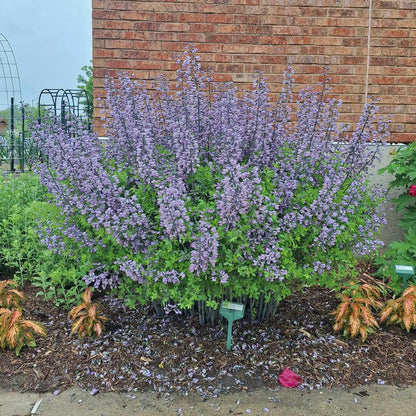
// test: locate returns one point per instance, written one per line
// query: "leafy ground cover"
(139, 351)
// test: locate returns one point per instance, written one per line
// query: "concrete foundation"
(391, 231)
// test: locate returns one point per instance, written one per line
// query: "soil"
(139, 352)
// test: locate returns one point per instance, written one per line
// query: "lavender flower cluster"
(201, 192)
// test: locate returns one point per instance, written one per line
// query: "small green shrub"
(23, 254)
(22, 199)
(403, 167)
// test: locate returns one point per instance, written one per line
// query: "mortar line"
(370, 10)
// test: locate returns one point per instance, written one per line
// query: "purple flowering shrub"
(201, 194)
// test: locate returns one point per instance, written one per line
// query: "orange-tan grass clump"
(10, 297)
(16, 332)
(401, 311)
(86, 317)
(355, 312)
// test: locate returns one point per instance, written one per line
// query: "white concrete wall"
(391, 231)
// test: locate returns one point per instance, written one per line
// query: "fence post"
(63, 115)
(12, 134)
(22, 158)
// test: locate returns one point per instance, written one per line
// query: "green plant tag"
(231, 312)
(405, 272)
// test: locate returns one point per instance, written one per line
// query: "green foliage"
(19, 244)
(85, 83)
(235, 253)
(403, 167)
(22, 254)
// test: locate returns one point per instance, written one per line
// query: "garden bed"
(141, 352)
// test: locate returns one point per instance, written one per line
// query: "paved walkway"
(368, 401)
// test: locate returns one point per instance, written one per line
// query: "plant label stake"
(405, 272)
(231, 312)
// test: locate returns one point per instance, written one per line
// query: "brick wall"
(238, 37)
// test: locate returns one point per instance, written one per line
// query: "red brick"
(119, 64)
(341, 31)
(248, 2)
(354, 42)
(191, 18)
(218, 57)
(237, 37)
(406, 61)
(191, 37)
(160, 56)
(201, 7)
(354, 60)
(163, 17)
(342, 12)
(273, 40)
(252, 39)
(404, 137)
(299, 40)
(107, 34)
(246, 19)
(174, 27)
(134, 54)
(118, 44)
(106, 53)
(134, 34)
(219, 18)
(399, 33)
(229, 67)
(164, 36)
(203, 27)
(222, 77)
(288, 30)
(146, 26)
(118, 24)
(145, 45)
(258, 29)
(215, 38)
(230, 29)
(105, 14)
(119, 5)
(133, 15)
(98, 4)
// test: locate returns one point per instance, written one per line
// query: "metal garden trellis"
(10, 90)
(63, 103)
(58, 104)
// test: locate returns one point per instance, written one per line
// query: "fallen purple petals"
(183, 357)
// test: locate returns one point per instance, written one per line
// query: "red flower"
(412, 190)
(289, 379)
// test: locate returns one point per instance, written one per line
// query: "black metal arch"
(63, 103)
(9, 74)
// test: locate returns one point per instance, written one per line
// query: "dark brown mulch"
(140, 352)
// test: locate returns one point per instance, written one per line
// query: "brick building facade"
(369, 46)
